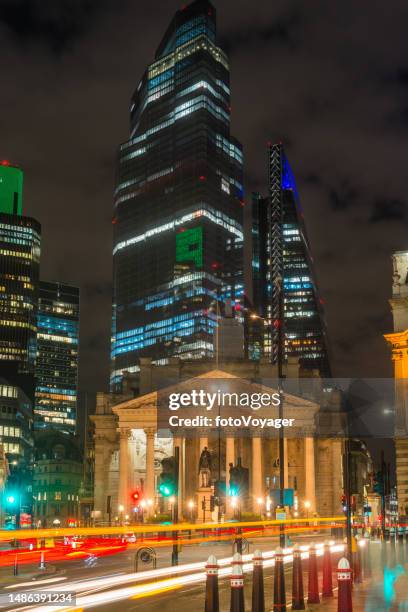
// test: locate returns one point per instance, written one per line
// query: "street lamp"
(121, 509)
(307, 505)
(191, 505)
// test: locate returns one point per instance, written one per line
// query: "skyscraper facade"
(11, 188)
(20, 245)
(282, 261)
(57, 357)
(178, 201)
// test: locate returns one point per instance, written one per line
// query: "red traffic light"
(135, 496)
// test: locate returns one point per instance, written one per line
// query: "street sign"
(280, 516)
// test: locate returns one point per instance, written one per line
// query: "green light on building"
(189, 246)
(11, 189)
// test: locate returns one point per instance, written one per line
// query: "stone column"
(257, 473)
(229, 458)
(123, 498)
(180, 442)
(310, 484)
(149, 483)
(99, 477)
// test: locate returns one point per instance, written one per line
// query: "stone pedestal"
(204, 494)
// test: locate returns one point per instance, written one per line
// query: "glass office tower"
(19, 277)
(57, 357)
(281, 250)
(178, 201)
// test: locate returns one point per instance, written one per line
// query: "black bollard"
(211, 587)
(237, 590)
(279, 592)
(313, 577)
(258, 594)
(298, 598)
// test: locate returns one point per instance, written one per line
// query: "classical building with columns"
(398, 342)
(129, 450)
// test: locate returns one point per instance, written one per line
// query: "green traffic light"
(10, 499)
(166, 490)
(233, 491)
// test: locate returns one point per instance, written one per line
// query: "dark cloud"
(308, 73)
(389, 209)
(280, 31)
(343, 197)
(54, 23)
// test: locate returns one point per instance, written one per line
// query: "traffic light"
(168, 477)
(344, 503)
(379, 483)
(135, 497)
(239, 480)
(233, 489)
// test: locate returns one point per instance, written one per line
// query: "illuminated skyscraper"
(178, 201)
(57, 357)
(281, 251)
(19, 276)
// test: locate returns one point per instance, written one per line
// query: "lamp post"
(191, 505)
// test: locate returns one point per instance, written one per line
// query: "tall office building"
(178, 201)
(281, 252)
(11, 188)
(19, 276)
(57, 358)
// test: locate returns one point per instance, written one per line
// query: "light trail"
(93, 597)
(35, 534)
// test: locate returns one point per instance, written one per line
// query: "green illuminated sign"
(11, 189)
(189, 246)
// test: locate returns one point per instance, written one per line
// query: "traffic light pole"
(282, 538)
(383, 492)
(174, 554)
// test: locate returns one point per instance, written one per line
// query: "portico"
(139, 450)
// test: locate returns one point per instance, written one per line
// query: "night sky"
(329, 79)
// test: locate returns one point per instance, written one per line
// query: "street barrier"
(298, 598)
(313, 582)
(258, 592)
(327, 590)
(237, 590)
(344, 577)
(42, 561)
(279, 591)
(212, 603)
